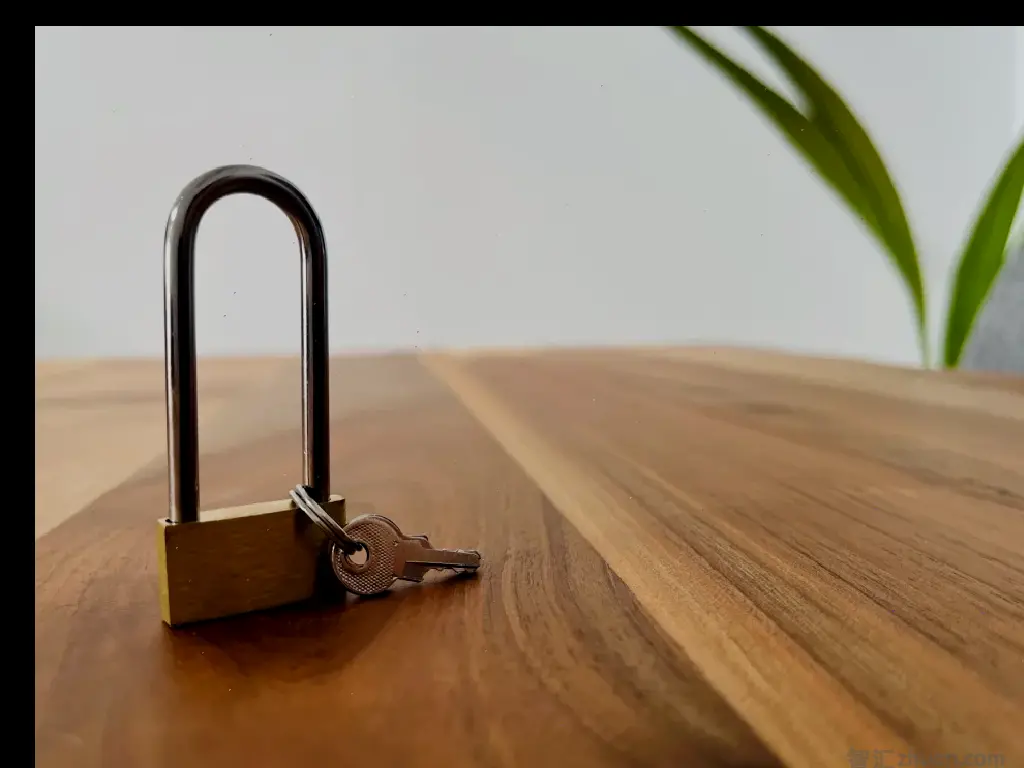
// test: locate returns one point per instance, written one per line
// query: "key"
(388, 555)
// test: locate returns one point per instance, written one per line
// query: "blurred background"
(501, 186)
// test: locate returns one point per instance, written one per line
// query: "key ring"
(326, 523)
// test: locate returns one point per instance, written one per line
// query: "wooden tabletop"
(692, 557)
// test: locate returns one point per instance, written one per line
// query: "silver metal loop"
(326, 523)
(179, 329)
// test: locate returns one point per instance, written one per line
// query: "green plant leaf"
(801, 133)
(983, 256)
(835, 119)
(839, 149)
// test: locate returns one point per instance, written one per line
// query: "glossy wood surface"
(692, 557)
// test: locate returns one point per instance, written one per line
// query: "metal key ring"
(326, 523)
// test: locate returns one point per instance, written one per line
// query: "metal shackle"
(179, 329)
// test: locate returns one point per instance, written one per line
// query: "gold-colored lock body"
(239, 559)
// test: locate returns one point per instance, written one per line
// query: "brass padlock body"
(239, 559)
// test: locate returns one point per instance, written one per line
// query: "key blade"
(467, 559)
(415, 557)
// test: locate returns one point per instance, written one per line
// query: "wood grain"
(98, 422)
(692, 557)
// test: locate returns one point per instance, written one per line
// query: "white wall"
(1019, 90)
(497, 186)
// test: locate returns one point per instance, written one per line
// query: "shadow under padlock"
(224, 562)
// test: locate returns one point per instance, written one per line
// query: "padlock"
(230, 561)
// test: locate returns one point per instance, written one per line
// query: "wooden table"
(692, 557)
